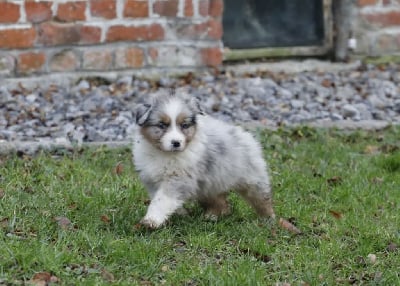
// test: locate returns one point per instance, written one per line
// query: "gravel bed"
(96, 110)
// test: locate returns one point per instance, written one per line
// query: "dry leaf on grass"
(118, 169)
(283, 223)
(336, 214)
(334, 181)
(107, 276)
(371, 149)
(105, 219)
(392, 247)
(43, 278)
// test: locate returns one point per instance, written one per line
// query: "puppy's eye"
(162, 125)
(185, 125)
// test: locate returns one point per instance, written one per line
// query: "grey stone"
(349, 111)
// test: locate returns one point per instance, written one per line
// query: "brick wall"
(42, 37)
(377, 27)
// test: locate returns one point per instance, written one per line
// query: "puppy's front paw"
(150, 223)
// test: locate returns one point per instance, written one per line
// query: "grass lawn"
(70, 218)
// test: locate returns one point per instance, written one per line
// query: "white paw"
(152, 223)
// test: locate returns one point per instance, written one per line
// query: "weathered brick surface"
(89, 35)
(97, 60)
(363, 3)
(103, 8)
(129, 58)
(30, 62)
(211, 56)
(17, 38)
(71, 11)
(216, 8)
(46, 36)
(189, 9)
(168, 8)
(57, 34)
(383, 19)
(136, 8)
(37, 12)
(135, 33)
(204, 6)
(9, 12)
(63, 61)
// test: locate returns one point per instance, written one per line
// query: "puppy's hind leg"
(216, 206)
(259, 196)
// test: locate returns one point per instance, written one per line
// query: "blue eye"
(185, 125)
(162, 125)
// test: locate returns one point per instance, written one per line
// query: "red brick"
(152, 55)
(37, 12)
(363, 3)
(17, 38)
(214, 29)
(211, 56)
(54, 34)
(9, 12)
(136, 8)
(167, 8)
(129, 58)
(204, 6)
(90, 35)
(97, 60)
(64, 61)
(216, 8)
(30, 62)
(71, 11)
(386, 19)
(103, 8)
(188, 11)
(135, 33)
(192, 31)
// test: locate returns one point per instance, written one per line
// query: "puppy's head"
(169, 122)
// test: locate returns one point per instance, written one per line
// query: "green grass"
(74, 214)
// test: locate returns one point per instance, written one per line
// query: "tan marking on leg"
(259, 200)
(216, 207)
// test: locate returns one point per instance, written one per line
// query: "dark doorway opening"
(250, 24)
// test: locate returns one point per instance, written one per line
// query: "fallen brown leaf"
(4, 222)
(105, 219)
(283, 223)
(107, 276)
(119, 168)
(377, 181)
(336, 214)
(327, 83)
(2, 193)
(43, 279)
(371, 149)
(392, 247)
(334, 181)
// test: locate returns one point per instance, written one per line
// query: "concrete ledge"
(48, 145)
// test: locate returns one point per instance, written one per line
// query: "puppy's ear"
(195, 104)
(142, 113)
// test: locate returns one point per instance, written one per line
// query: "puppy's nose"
(176, 143)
